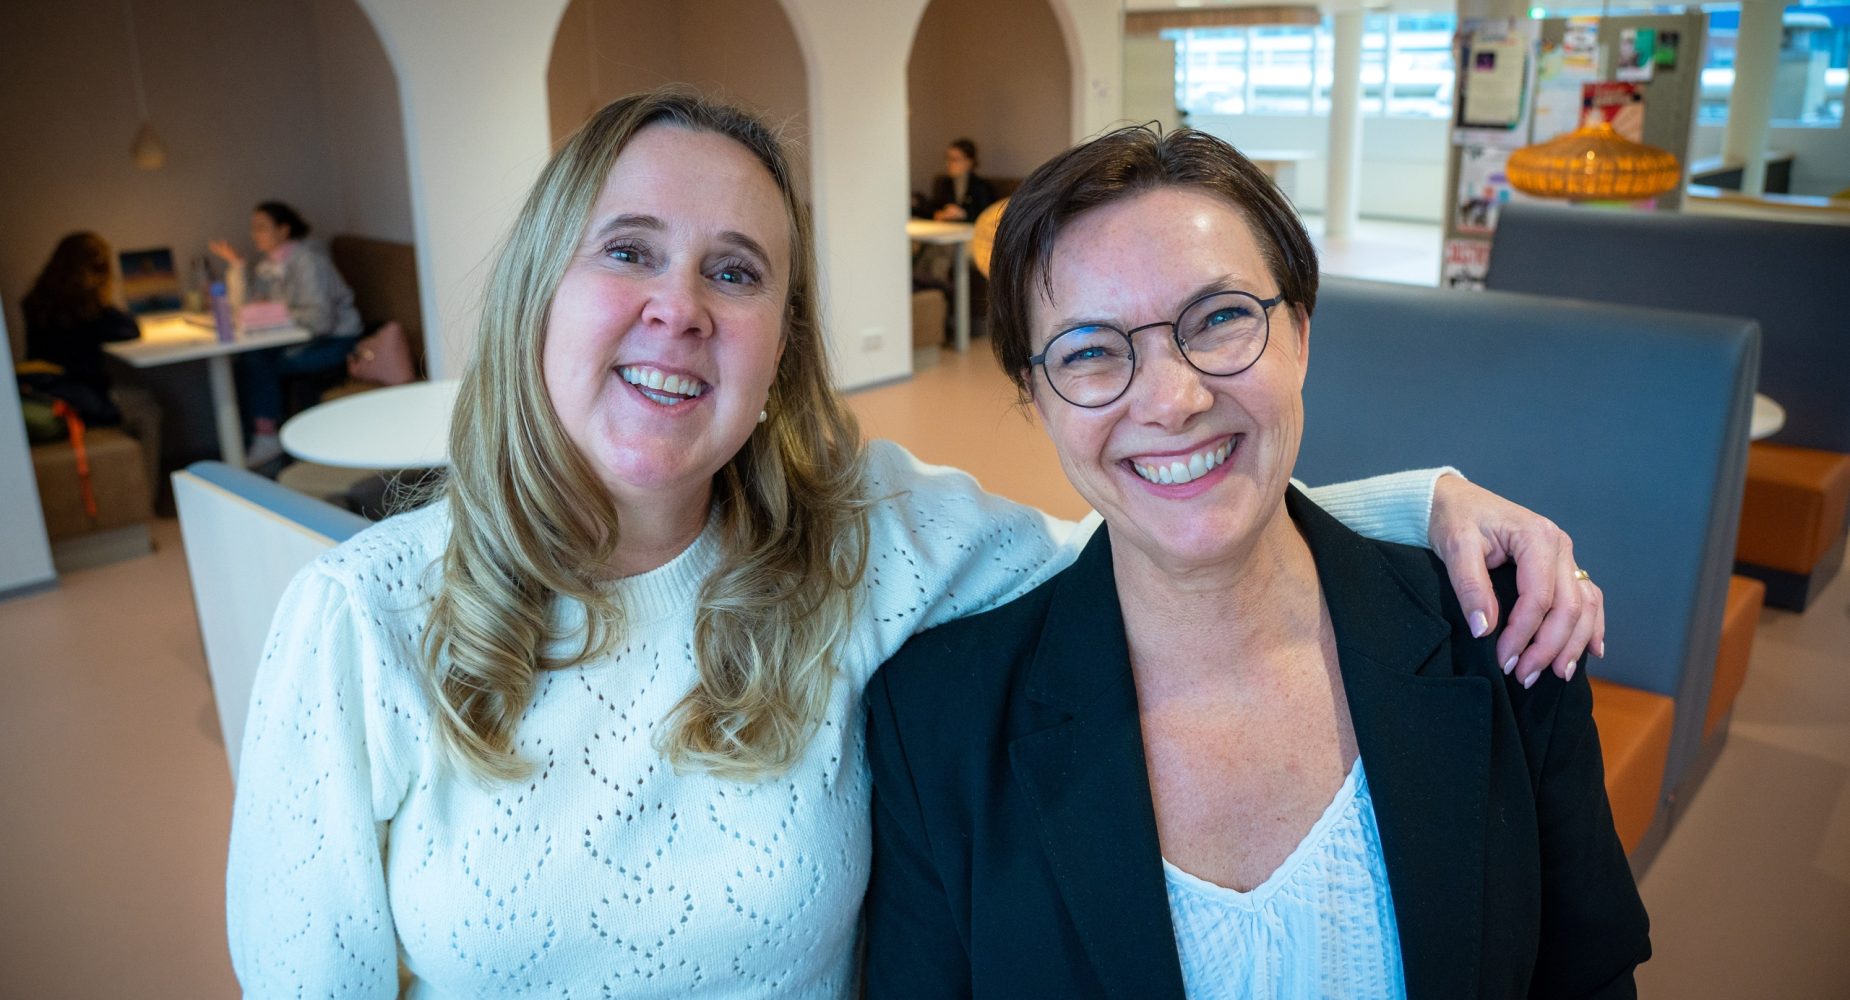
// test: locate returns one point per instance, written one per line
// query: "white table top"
(400, 427)
(173, 338)
(932, 231)
(1768, 418)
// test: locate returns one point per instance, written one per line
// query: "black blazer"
(978, 195)
(1015, 846)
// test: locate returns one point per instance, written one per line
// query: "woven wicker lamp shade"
(1593, 163)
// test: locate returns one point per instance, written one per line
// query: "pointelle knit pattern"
(355, 849)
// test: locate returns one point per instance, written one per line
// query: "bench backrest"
(1628, 427)
(1792, 277)
(245, 539)
(384, 279)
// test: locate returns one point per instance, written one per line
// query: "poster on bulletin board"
(1621, 104)
(1560, 70)
(1465, 264)
(1483, 189)
(1495, 66)
(1637, 54)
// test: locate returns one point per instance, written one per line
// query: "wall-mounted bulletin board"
(1522, 81)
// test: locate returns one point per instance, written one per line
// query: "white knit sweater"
(354, 850)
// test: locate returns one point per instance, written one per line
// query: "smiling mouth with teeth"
(1183, 470)
(660, 386)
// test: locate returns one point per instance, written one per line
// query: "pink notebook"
(263, 315)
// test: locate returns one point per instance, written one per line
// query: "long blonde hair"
(531, 522)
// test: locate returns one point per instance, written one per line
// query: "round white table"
(955, 234)
(1768, 418)
(399, 427)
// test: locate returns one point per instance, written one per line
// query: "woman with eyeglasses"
(1236, 749)
(589, 725)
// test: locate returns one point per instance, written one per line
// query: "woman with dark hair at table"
(1236, 749)
(71, 312)
(297, 272)
(959, 194)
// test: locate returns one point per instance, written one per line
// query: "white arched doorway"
(995, 71)
(998, 74)
(743, 52)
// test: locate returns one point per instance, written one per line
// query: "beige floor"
(118, 798)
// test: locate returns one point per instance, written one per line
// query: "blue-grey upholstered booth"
(1626, 426)
(1793, 277)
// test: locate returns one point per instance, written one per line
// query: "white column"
(472, 81)
(1750, 106)
(1340, 206)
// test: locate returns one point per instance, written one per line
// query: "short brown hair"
(1119, 165)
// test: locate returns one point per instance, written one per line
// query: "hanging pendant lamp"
(1593, 163)
(146, 150)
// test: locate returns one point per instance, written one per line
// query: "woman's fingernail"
(1531, 681)
(1599, 648)
(1480, 624)
(1571, 668)
(1509, 664)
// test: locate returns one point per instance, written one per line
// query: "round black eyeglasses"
(1221, 333)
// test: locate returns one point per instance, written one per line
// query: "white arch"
(1088, 47)
(1094, 34)
(472, 85)
(472, 88)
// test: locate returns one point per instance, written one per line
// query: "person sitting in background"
(70, 313)
(958, 195)
(298, 273)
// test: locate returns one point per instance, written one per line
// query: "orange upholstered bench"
(1793, 521)
(1634, 739)
(1740, 619)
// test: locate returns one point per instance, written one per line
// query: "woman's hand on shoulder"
(1559, 613)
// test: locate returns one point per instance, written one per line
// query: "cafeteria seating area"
(1667, 379)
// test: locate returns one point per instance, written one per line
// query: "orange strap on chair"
(75, 424)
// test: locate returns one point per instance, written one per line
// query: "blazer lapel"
(1086, 780)
(1424, 736)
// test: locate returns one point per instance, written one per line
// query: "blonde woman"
(587, 727)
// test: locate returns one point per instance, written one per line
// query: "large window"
(1808, 87)
(1286, 70)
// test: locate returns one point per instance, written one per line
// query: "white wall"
(993, 71)
(25, 554)
(741, 51)
(1821, 164)
(472, 77)
(1403, 159)
(365, 132)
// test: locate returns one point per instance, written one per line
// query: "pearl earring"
(763, 415)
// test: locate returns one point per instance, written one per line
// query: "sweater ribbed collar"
(675, 585)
